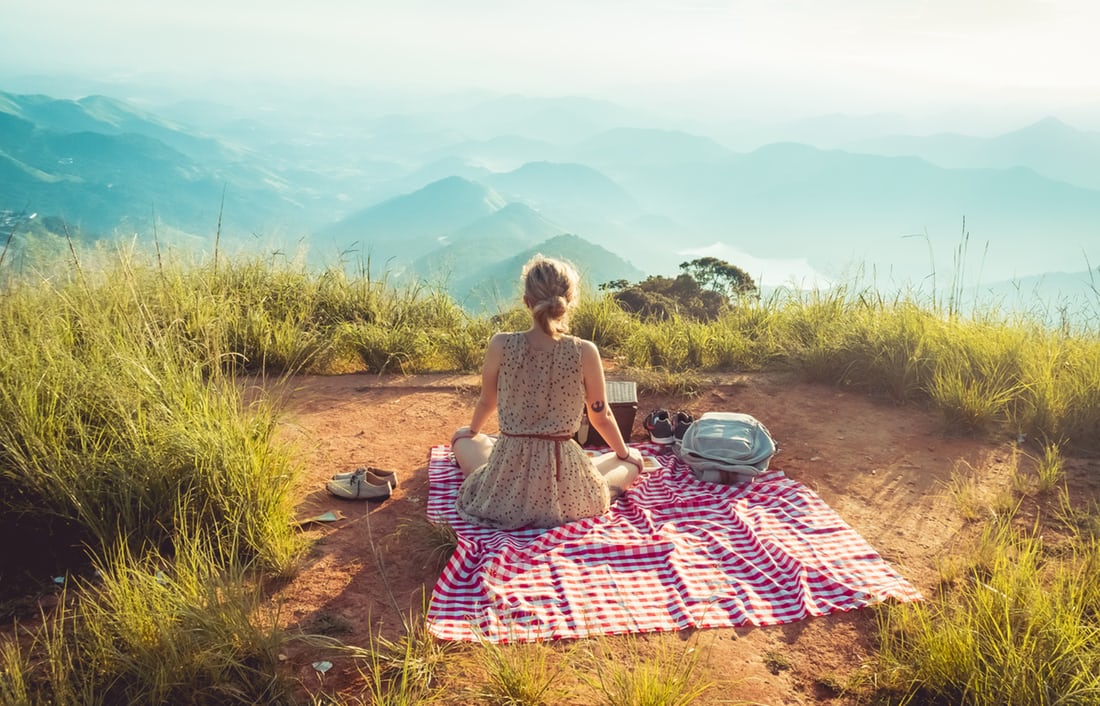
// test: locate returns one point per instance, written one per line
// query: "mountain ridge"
(414, 219)
(514, 227)
(630, 187)
(1050, 146)
(495, 287)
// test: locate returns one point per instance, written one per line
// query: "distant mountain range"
(477, 262)
(1050, 147)
(459, 195)
(510, 229)
(569, 192)
(106, 167)
(495, 284)
(412, 223)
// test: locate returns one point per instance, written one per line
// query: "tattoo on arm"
(597, 406)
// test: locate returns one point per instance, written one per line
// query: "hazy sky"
(805, 56)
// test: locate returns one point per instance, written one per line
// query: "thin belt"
(544, 437)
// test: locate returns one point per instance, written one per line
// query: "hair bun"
(552, 307)
(550, 289)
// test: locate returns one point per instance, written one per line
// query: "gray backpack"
(727, 447)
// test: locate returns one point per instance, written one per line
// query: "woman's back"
(540, 390)
(536, 475)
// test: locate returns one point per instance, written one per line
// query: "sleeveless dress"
(536, 475)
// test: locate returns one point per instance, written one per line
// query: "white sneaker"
(375, 475)
(358, 486)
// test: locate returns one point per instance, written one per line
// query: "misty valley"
(461, 193)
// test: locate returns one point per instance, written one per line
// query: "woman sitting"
(539, 380)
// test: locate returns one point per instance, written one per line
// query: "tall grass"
(1020, 627)
(114, 424)
(601, 321)
(1016, 618)
(128, 452)
(153, 629)
(980, 373)
(404, 671)
(816, 332)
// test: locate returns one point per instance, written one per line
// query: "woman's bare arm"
(487, 400)
(599, 410)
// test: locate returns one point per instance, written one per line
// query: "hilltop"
(882, 467)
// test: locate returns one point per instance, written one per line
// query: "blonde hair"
(550, 290)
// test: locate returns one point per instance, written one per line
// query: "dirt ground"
(882, 467)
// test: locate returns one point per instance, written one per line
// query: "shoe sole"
(661, 439)
(368, 498)
(356, 496)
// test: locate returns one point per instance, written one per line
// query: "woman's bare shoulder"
(498, 343)
(587, 347)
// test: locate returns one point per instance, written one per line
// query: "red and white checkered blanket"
(672, 553)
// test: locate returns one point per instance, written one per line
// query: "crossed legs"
(473, 452)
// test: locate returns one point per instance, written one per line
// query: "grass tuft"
(649, 674)
(405, 670)
(1050, 468)
(430, 543)
(521, 675)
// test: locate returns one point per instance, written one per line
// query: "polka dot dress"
(532, 482)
